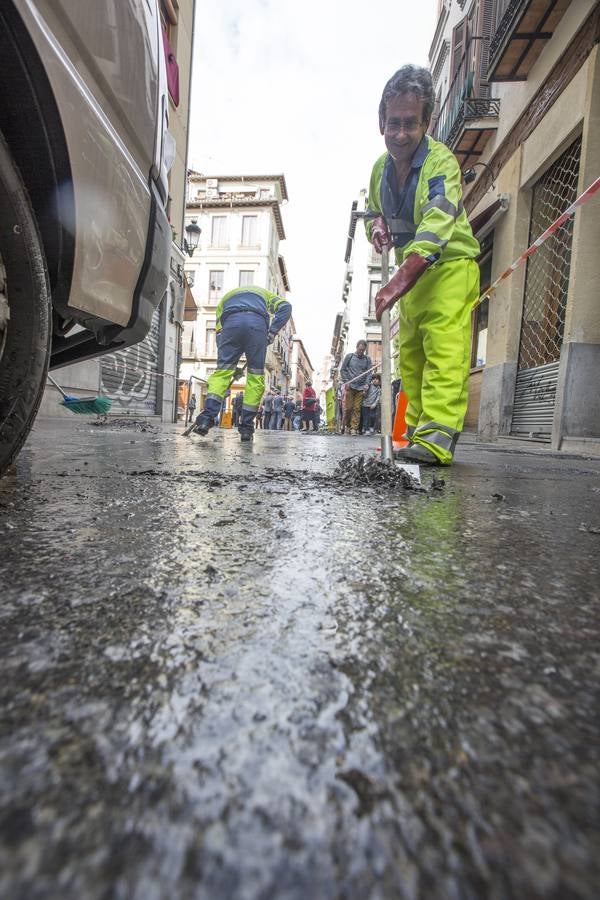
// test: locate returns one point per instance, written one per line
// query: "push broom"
(85, 406)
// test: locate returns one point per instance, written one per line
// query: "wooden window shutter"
(487, 28)
(459, 45)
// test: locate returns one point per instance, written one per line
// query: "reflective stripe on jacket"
(425, 216)
(254, 299)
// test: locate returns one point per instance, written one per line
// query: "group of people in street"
(278, 412)
(358, 400)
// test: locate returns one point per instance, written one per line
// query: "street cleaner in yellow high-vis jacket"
(415, 205)
(248, 318)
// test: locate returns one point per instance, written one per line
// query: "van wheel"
(25, 312)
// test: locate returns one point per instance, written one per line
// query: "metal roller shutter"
(535, 396)
(545, 300)
(129, 377)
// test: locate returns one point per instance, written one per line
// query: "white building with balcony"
(241, 228)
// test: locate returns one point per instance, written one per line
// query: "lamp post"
(193, 232)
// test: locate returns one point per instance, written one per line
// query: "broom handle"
(386, 368)
(57, 386)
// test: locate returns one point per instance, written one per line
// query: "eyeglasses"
(408, 125)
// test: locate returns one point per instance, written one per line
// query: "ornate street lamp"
(193, 232)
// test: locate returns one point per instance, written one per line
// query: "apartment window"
(373, 288)
(210, 344)
(246, 277)
(249, 231)
(219, 231)
(215, 284)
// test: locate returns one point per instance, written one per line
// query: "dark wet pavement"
(224, 676)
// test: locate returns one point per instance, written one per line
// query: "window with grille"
(246, 277)
(219, 231)
(215, 284)
(249, 231)
(547, 275)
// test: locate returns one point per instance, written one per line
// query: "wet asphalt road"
(224, 676)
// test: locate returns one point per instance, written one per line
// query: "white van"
(84, 236)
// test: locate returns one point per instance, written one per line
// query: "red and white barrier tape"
(583, 198)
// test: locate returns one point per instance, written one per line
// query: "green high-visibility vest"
(425, 215)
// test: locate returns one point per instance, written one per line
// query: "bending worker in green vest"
(415, 205)
(244, 326)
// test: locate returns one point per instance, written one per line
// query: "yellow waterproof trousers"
(435, 353)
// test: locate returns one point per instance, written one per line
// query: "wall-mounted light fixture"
(193, 232)
(469, 174)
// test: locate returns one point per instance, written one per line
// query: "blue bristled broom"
(87, 406)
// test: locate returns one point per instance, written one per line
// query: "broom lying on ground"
(99, 405)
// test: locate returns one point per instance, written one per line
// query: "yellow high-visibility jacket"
(426, 214)
(254, 299)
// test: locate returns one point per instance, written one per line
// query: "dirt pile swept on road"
(124, 423)
(370, 470)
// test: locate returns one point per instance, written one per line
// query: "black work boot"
(417, 453)
(203, 425)
(246, 432)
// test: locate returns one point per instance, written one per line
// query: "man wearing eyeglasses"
(415, 206)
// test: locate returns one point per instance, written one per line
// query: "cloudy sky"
(293, 86)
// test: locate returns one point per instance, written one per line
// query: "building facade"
(241, 226)
(301, 367)
(518, 101)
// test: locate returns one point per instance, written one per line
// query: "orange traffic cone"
(399, 430)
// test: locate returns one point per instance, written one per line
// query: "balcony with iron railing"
(468, 117)
(521, 30)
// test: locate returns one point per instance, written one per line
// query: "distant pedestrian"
(339, 408)
(317, 416)
(259, 416)
(297, 415)
(237, 409)
(276, 412)
(192, 406)
(309, 403)
(288, 412)
(355, 374)
(267, 406)
(370, 404)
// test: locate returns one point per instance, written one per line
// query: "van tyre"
(25, 312)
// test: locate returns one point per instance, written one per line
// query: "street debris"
(365, 789)
(498, 497)
(369, 470)
(124, 423)
(589, 529)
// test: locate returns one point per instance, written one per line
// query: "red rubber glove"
(380, 235)
(406, 277)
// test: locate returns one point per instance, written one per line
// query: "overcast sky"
(293, 86)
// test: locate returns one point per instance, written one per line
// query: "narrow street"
(227, 675)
